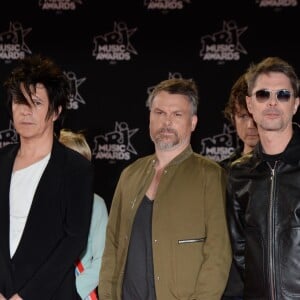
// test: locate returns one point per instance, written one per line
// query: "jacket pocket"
(187, 261)
(187, 241)
(289, 262)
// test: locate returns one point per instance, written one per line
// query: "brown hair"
(272, 64)
(237, 98)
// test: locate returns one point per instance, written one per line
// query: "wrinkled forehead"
(272, 80)
(171, 100)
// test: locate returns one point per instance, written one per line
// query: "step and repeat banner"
(115, 52)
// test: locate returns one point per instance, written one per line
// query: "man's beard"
(162, 144)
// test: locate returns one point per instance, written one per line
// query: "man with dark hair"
(264, 190)
(237, 113)
(46, 190)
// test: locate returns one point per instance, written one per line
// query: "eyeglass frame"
(272, 92)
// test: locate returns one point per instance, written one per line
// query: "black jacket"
(264, 220)
(56, 230)
(235, 286)
(226, 163)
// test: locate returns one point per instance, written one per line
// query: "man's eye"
(37, 102)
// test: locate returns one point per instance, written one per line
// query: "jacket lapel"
(46, 191)
(6, 163)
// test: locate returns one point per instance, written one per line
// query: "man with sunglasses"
(264, 188)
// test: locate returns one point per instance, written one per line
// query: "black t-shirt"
(271, 159)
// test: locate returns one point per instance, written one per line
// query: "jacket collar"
(291, 154)
(187, 152)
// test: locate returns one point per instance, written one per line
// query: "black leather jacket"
(264, 218)
(234, 287)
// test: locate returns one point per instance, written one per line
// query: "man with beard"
(167, 236)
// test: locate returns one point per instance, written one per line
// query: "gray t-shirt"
(138, 283)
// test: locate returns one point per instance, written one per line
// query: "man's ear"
(296, 105)
(194, 122)
(56, 115)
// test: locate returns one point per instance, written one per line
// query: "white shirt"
(22, 188)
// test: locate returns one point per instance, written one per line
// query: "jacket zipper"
(271, 230)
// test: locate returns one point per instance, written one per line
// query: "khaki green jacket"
(191, 247)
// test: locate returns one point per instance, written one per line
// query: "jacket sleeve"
(214, 271)
(235, 217)
(77, 201)
(107, 287)
(88, 280)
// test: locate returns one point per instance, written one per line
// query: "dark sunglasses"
(281, 95)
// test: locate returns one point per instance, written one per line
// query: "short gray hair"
(179, 86)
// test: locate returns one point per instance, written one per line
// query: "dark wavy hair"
(237, 98)
(34, 70)
(272, 64)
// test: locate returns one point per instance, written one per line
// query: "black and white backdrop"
(114, 52)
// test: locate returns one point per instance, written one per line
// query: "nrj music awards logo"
(8, 136)
(115, 45)
(277, 3)
(59, 5)
(116, 144)
(165, 4)
(75, 98)
(220, 146)
(12, 42)
(223, 45)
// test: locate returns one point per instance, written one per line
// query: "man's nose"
(251, 123)
(273, 99)
(26, 109)
(168, 119)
